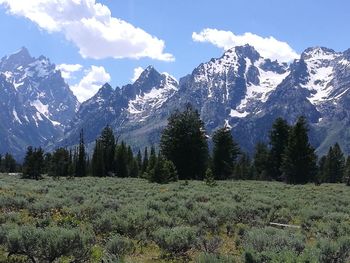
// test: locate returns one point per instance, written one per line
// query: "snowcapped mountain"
(126, 109)
(241, 89)
(36, 103)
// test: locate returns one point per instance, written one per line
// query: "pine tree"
(225, 152)
(145, 161)
(261, 162)
(97, 163)
(347, 172)
(33, 163)
(321, 172)
(152, 159)
(278, 141)
(139, 161)
(60, 163)
(243, 168)
(184, 142)
(299, 160)
(122, 160)
(163, 172)
(80, 169)
(9, 163)
(335, 165)
(209, 178)
(108, 145)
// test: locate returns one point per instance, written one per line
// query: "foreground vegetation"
(132, 220)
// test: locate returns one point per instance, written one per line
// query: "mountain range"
(241, 90)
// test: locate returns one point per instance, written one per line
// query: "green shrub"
(334, 251)
(263, 244)
(48, 244)
(119, 246)
(214, 258)
(175, 241)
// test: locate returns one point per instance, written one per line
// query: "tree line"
(184, 154)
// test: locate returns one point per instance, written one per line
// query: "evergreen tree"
(122, 160)
(184, 142)
(225, 152)
(243, 168)
(163, 172)
(209, 178)
(139, 161)
(134, 168)
(299, 159)
(9, 164)
(108, 145)
(335, 165)
(278, 141)
(97, 163)
(261, 162)
(321, 172)
(80, 169)
(347, 172)
(60, 163)
(145, 161)
(33, 163)
(152, 159)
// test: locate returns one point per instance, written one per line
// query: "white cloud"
(68, 69)
(91, 27)
(94, 78)
(137, 73)
(268, 47)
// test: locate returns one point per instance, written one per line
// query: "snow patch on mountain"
(268, 81)
(320, 66)
(42, 108)
(155, 98)
(235, 113)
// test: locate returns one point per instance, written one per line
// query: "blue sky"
(165, 35)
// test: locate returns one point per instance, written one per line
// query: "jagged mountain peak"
(149, 73)
(319, 53)
(20, 58)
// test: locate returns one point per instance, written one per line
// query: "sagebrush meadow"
(138, 221)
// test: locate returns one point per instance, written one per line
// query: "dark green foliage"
(299, 160)
(261, 162)
(108, 144)
(80, 167)
(139, 161)
(209, 178)
(97, 163)
(333, 168)
(61, 163)
(321, 177)
(145, 161)
(122, 160)
(33, 163)
(152, 160)
(243, 168)
(7, 164)
(163, 172)
(103, 162)
(225, 153)
(278, 141)
(347, 172)
(184, 143)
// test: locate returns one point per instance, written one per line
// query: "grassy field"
(131, 220)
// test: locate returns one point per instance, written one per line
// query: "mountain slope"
(36, 103)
